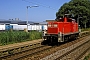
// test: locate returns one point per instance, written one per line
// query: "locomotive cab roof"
(66, 18)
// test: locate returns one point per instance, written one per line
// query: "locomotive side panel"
(67, 27)
(74, 27)
(60, 27)
(52, 28)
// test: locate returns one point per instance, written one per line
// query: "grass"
(10, 37)
(87, 57)
(87, 29)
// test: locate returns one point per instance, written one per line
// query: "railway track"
(53, 53)
(25, 53)
(76, 53)
(9, 50)
(73, 52)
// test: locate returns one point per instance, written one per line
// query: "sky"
(46, 10)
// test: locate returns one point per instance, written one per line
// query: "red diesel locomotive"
(60, 31)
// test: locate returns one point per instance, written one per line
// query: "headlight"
(49, 25)
(55, 25)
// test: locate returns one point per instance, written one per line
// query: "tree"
(77, 8)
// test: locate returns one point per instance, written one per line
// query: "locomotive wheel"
(44, 42)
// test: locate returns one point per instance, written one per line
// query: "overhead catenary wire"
(43, 5)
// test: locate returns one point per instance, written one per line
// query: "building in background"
(21, 25)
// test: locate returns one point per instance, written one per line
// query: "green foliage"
(87, 29)
(78, 8)
(87, 57)
(35, 35)
(10, 37)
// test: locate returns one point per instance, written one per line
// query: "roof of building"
(43, 23)
(15, 22)
(21, 22)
